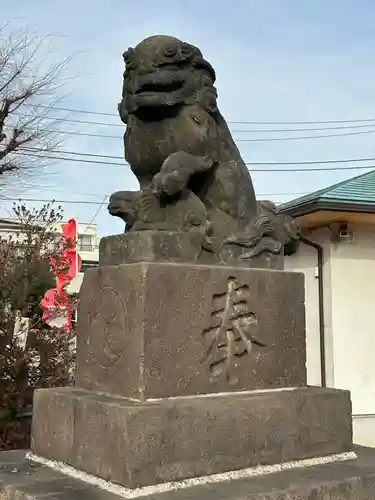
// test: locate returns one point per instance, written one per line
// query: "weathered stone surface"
(235, 255)
(192, 176)
(167, 246)
(136, 444)
(355, 479)
(159, 330)
(148, 246)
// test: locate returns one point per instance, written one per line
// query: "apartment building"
(87, 245)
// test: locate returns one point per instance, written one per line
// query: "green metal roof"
(358, 190)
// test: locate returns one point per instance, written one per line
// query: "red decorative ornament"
(57, 305)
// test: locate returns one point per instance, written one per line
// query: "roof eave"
(331, 205)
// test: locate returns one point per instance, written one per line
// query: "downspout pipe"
(319, 253)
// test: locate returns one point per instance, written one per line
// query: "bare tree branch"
(27, 80)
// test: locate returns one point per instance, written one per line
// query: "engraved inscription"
(107, 327)
(231, 332)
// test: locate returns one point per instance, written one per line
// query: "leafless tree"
(30, 86)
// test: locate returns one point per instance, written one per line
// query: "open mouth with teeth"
(156, 88)
(158, 95)
(161, 89)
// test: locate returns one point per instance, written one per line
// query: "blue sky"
(276, 60)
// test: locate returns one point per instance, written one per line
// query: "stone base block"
(168, 246)
(22, 479)
(137, 444)
(148, 246)
(162, 330)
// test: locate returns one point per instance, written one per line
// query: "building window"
(85, 243)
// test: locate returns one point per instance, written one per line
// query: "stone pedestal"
(162, 330)
(189, 371)
(171, 246)
(138, 444)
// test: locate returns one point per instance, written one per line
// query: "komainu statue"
(192, 177)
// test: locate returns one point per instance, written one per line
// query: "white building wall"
(88, 249)
(353, 313)
(305, 261)
(349, 299)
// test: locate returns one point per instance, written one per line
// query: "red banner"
(56, 303)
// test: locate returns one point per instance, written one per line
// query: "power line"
(274, 130)
(310, 162)
(264, 139)
(87, 202)
(289, 122)
(82, 160)
(80, 193)
(260, 139)
(73, 202)
(85, 122)
(63, 158)
(323, 136)
(70, 110)
(253, 131)
(70, 120)
(86, 134)
(94, 155)
(97, 212)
